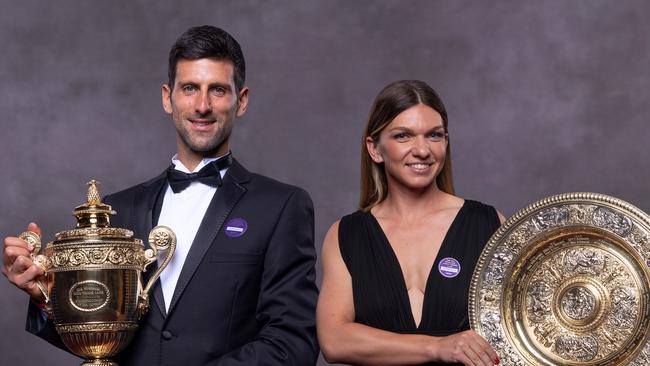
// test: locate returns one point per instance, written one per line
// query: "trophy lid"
(93, 213)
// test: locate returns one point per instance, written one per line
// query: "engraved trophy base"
(99, 362)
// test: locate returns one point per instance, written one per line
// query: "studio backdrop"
(543, 97)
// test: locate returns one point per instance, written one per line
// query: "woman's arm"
(502, 218)
(343, 340)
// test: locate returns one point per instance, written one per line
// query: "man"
(240, 289)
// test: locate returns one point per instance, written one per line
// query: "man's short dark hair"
(207, 41)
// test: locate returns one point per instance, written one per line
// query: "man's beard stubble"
(212, 146)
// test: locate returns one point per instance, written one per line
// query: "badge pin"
(236, 227)
(449, 267)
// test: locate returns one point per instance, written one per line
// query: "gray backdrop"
(544, 97)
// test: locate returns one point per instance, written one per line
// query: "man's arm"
(23, 273)
(38, 324)
(288, 294)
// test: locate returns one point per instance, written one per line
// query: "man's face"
(203, 104)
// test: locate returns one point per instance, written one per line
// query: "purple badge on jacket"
(236, 227)
(449, 267)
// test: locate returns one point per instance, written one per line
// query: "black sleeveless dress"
(379, 290)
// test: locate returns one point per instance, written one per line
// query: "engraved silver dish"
(565, 281)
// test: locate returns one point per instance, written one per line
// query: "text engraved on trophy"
(576, 348)
(89, 296)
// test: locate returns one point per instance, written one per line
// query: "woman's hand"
(465, 347)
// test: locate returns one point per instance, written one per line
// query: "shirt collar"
(178, 165)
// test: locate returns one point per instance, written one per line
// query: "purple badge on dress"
(449, 267)
(236, 227)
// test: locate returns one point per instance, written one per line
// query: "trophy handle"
(161, 238)
(40, 260)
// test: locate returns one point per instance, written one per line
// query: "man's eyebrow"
(210, 86)
(220, 85)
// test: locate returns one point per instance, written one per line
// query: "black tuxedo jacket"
(246, 300)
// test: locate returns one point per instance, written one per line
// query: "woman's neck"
(405, 202)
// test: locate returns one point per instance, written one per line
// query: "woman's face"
(412, 147)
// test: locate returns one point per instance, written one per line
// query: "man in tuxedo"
(240, 289)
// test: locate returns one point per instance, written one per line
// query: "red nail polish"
(497, 360)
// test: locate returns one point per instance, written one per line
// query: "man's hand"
(18, 266)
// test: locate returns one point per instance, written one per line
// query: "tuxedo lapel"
(143, 223)
(223, 201)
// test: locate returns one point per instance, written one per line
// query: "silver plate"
(565, 281)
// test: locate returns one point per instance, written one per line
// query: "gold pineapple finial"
(93, 193)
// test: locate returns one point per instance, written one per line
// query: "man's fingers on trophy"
(14, 248)
(34, 228)
(24, 275)
(38, 266)
(13, 252)
(12, 241)
(27, 281)
(32, 238)
(31, 274)
(21, 264)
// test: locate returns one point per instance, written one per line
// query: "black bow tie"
(209, 174)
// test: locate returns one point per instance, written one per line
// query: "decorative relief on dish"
(565, 277)
(576, 348)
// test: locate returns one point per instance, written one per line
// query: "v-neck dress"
(379, 290)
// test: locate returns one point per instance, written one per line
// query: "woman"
(396, 273)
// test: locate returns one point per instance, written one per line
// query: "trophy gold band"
(565, 281)
(92, 285)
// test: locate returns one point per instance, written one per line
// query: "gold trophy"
(566, 281)
(93, 290)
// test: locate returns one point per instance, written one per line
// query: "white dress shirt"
(183, 213)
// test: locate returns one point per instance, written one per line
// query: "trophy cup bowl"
(93, 288)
